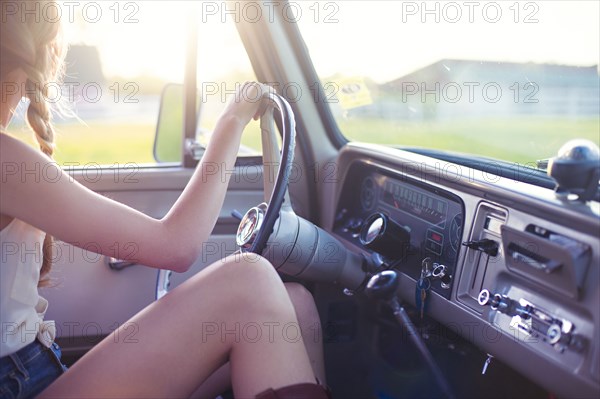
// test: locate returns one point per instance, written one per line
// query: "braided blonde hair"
(33, 42)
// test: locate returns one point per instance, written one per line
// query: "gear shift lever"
(383, 286)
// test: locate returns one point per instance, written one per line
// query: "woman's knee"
(251, 285)
(251, 269)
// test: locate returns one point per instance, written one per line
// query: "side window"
(223, 65)
(121, 55)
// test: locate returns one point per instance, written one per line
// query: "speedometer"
(427, 207)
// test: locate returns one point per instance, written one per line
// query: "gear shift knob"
(383, 285)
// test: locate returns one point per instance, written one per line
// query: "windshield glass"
(508, 80)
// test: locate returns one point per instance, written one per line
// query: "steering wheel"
(257, 224)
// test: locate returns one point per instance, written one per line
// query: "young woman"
(171, 358)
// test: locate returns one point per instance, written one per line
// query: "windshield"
(507, 80)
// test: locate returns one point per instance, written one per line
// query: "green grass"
(107, 144)
(104, 143)
(516, 140)
(519, 140)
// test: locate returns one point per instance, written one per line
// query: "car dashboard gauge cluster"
(402, 219)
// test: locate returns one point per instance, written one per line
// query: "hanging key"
(423, 299)
(423, 286)
(486, 364)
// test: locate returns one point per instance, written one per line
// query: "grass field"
(516, 140)
(107, 144)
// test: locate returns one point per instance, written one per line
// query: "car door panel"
(88, 299)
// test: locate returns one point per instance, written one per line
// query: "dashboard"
(520, 267)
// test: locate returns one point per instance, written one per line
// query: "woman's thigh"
(188, 334)
(310, 325)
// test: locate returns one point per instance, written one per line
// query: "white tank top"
(22, 309)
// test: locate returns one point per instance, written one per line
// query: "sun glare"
(133, 38)
(148, 37)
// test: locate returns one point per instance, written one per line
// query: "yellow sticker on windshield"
(352, 93)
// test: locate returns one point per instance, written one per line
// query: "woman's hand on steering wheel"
(248, 102)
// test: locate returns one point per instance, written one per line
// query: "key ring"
(423, 284)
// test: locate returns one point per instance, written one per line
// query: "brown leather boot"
(298, 391)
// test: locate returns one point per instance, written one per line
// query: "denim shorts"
(29, 371)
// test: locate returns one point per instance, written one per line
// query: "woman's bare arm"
(74, 214)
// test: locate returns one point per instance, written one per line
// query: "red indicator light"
(436, 237)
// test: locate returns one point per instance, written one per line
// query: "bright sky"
(379, 39)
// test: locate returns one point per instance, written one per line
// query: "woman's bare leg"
(310, 323)
(217, 383)
(308, 318)
(237, 309)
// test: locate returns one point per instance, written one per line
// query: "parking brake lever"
(383, 286)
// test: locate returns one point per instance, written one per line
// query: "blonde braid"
(47, 68)
(39, 119)
(35, 45)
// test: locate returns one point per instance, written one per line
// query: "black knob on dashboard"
(383, 235)
(576, 170)
(383, 285)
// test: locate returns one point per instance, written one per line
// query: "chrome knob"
(250, 226)
(384, 236)
(439, 271)
(484, 297)
(554, 334)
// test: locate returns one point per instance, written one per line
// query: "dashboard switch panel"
(533, 321)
